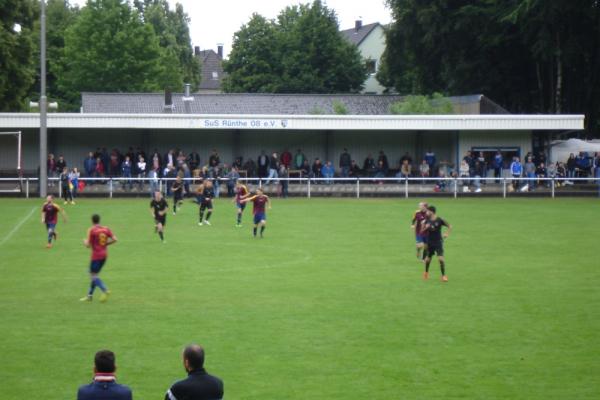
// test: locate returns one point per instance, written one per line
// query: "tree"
(252, 65)
(301, 51)
(109, 48)
(17, 69)
(59, 16)
(171, 26)
(529, 55)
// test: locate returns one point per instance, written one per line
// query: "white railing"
(356, 187)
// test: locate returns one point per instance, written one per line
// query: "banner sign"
(245, 123)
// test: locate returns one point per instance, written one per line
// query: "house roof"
(211, 63)
(265, 104)
(357, 36)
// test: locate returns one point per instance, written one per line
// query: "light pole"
(43, 105)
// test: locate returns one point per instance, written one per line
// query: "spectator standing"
(482, 168)
(463, 171)
(497, 165)
(571, 166)
(60, 164)
(479, 172)
(286, 158)
(170, 158)
(141, 168)
(99, 167)
(263, 165)
(214, 160)
(199, 385)
(273, 167)
(104, 385)
(250, 167)
(424, 169)
(232, 178)
(187, 176)
(530, 172)
(516, 170)
(597, 170)
(51, 167)
(89, 165)
(74, 178)
(299, 159)
(328, 171)
(345, 162)
(65, 186)
(193, 160)
(154, 185)
(126, 167)
(284, 173)
(431, 160)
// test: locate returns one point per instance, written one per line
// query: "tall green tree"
(252, 65)
(17, 70)
(301, 51)
(529, 55)
(60, 15)
(109, 48)
(172, 28)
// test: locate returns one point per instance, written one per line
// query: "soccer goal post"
(11, 185)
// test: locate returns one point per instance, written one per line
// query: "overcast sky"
(216, 21)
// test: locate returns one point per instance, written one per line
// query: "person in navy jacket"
(104, 386)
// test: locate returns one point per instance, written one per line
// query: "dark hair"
(105, 361)
(96, 218)
(431, 208)
(194, 354)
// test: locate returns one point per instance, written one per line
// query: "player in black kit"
(435, 241)
(177, 190)
(205, 197)
(158, 209)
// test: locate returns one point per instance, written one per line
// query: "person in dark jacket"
(199, 385)
(104, 386)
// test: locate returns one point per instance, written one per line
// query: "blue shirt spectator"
(89, 164)
(327, 171)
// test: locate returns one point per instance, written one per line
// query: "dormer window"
(215, 75)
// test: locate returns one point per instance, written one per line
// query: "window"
(371, 66)
(215, 75)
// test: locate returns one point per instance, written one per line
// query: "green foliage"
(528, 55)
(171, 26)
(17, 71)
(301, 51)
(316, 110)
(423, 105)
(110, 49)
(339, 303)
(339, 107)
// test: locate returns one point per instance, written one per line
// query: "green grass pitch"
(329, 305)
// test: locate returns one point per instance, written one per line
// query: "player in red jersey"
(98, 239)
(50, 212)
(241, 192)
(260, 202)
(418, 225)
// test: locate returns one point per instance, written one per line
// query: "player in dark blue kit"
(260, 202)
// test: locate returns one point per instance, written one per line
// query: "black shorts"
(160, 219)
(435, 248)
(206, 204)
(177, 196)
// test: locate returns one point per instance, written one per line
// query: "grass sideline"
(329, 305)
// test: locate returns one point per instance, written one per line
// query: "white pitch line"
(16, 228)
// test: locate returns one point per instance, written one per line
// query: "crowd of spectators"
(270, 167)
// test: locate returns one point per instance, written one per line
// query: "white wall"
(470, 139)
(372, 47)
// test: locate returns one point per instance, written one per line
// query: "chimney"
(357, 25)
(168, 106)
(187, 99)
(196, 50)
(220, 50)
